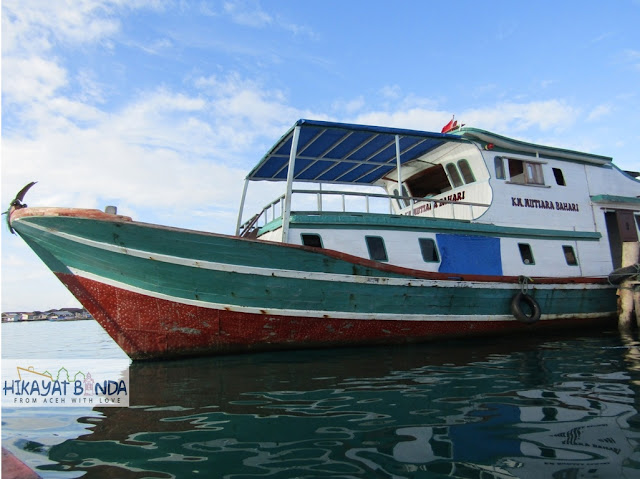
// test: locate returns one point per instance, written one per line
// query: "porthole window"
(377, 250)
(429, 250)
(525, 253)
(570, 255)
(311, 239)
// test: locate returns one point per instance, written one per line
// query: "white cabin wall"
(595, 256)
(549, 259)
(611, 181)
(403, 249)
(551, 206)
(477, 192)
(274, 236)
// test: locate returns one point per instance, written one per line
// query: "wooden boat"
(470, 233)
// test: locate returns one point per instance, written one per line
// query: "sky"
(161, 107)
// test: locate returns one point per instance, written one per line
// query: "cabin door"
(621, 227)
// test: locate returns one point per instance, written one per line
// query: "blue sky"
(161, 107)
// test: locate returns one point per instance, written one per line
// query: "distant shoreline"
(59, 314)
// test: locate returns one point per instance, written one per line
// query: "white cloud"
(33, 25)
(518, 117)
(349, 106)
(31, 79)
(415, 118)
(250, 13)
(391, 92)
(599, 111)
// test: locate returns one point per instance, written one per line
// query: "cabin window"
(454, 176)
(376, 248)
(557, 173)
(465, 169)
(402, 202)
(429, 250)
(569, 255)
(525, 172)
(499, 167)
(311, 239)
(525, 253)
(430, 182)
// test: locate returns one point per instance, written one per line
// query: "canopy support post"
(244, 195)
(286, 213)
(399, 166)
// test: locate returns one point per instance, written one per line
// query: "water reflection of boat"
(420, 412)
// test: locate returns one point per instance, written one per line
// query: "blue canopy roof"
(343, 153)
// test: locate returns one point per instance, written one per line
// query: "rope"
(632, 273)
(524, 283)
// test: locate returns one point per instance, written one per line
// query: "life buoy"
(516, 308)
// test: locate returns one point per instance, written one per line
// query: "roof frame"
(341, 153)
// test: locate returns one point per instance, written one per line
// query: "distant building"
(10, 317)
(62, 314)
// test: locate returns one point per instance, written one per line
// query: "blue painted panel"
(465, 254)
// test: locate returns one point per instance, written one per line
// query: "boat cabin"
(471, 202)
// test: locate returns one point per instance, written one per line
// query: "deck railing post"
(244, 195)
(286, 213)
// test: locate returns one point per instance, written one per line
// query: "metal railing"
(413, 206)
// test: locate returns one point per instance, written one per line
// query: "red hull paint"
(151, 328)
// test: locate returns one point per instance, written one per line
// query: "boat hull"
(162, 292)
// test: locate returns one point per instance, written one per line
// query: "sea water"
(562, 406)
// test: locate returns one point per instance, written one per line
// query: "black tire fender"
(516, 308)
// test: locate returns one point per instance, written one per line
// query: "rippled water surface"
(558, 406)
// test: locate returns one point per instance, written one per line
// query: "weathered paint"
(147, 328)
(163, 292)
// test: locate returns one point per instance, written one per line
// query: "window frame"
(402, 203)
(559, 177)
(531, 172)
(435, 251)
(567, 248)
(454, 175)
(302, 236)
(526, 252)
(368, 240)
(498, 166)
(466, 172)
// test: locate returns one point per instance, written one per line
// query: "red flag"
(449, 126)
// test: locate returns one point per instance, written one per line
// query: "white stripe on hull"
(305, 275)
(317, 313)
